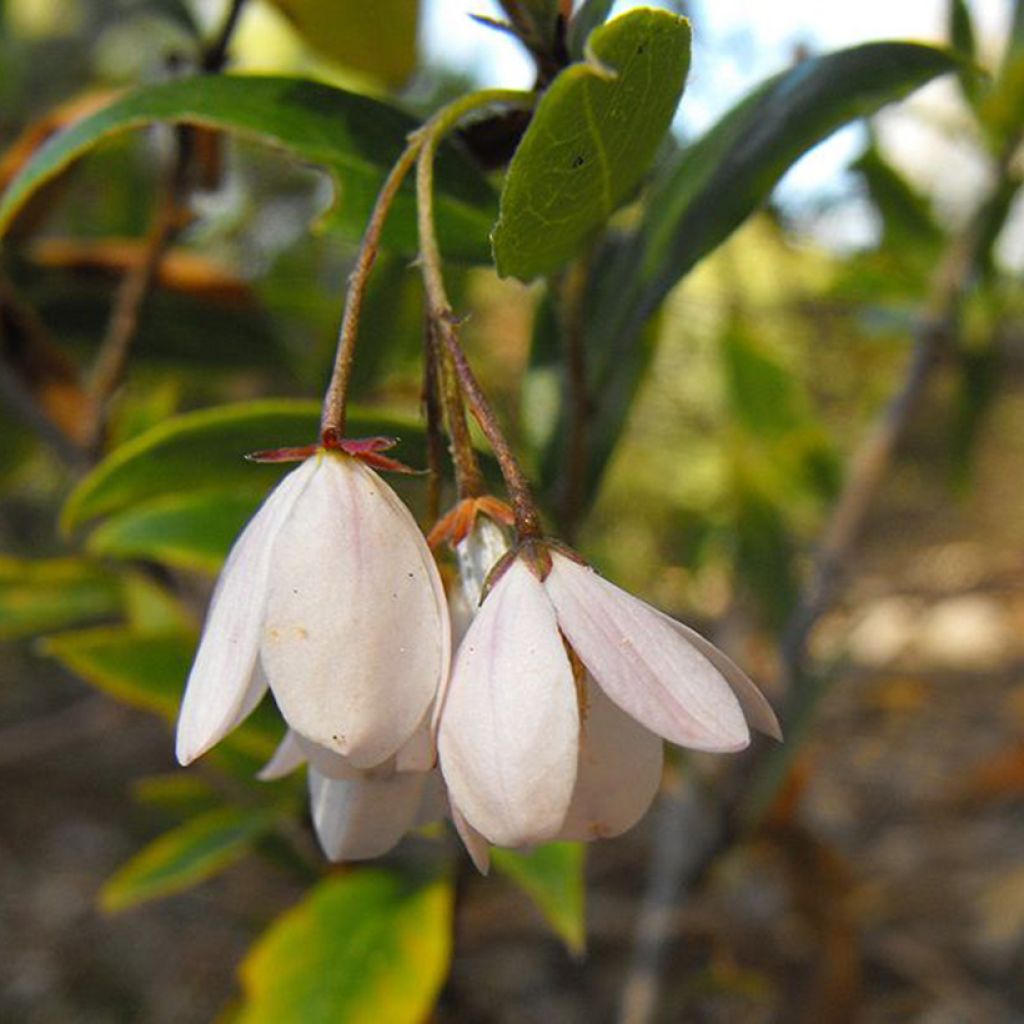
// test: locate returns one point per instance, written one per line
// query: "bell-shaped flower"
(561, 691)
(357, 814)
(332, 598)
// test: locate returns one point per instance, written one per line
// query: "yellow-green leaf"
(185, 856)
(206, 450)
(552, 876)
(591, 140)
(365, 948)
(378, 38)
(40, 596)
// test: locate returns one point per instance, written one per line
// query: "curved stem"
(440, 312)
(332, 422)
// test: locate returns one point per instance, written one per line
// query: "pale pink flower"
(332, 598)
(357, 814)
(533, 749)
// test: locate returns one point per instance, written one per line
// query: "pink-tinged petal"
(509, 727)
(759, 713)
(475, 844)
(225, 683)
(618, 775)
(356, 638)
(643, 663)
(356, 819)
(288, 756)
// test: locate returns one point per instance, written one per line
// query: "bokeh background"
(888, 884)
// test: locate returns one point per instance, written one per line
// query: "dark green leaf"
(194, 530)
(356, 138)
(363, 948)
(906, 219)
(205, 450)
(707, 193)
(186, 856)
(552, 876)
(591, 140)
(40, 596)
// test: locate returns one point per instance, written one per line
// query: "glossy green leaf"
(186, 856)
(151, 607)
(41, 596)
(707, 193)
(194, 530)
(964, 41)
(366, 947)
(378, 39)
(552, 876)
(353, 136)
(591, 140)
(206, 449)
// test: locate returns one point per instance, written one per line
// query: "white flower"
(356, 814)
(534, 749)
(332, 597)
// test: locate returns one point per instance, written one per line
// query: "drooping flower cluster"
(548, 725)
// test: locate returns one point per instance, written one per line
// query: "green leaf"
(194, 530)
(363, 948)
(40, 596)
(706, 194)
(378, 39)
(185, 856)
(906, 218)
(591, 140)
(552, 876)
(354, 137)
(206, 449)
(144, 670)
(182, 793)
(148, 671)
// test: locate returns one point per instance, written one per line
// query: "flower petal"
(288, 756)
(356, 638)
(759, 713)
(619, 771)
(225, 683)
(356, 819)
(418, 753)
(333, 765)
(509, 727)
(475, 844)
(642, 663)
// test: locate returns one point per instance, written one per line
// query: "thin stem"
(439, 309)
(332, 422)
(433, 416)
(469, 480)
(217, 52)
(111, 364)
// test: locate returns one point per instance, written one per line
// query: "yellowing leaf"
(376, 38)
(365, 948)
(186, 856)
